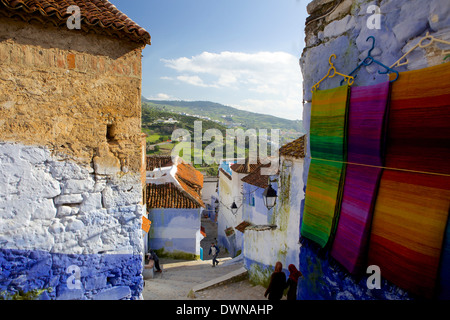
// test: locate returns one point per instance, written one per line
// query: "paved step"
(236, 275)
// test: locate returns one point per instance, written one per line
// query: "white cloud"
(288, 108)
(194, 80)
(262, 72)
(162, 96)
(263, 82)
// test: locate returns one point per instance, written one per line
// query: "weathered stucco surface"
(69, 92)
(262, 249)
(70, 163)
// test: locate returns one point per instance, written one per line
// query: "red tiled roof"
(191, 181)
(245, 167)
(96, 15)
(154, 162)
(296, 148)
(255, 178)
(168, 196)
(242, 226)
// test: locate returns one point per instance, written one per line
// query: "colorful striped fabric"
(419, 121)
(366, 134)
(408, 229)
(328, 152)
(444, 285)
(412, 208)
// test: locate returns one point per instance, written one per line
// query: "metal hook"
(373, 45)
(369, 60)
(329, 60)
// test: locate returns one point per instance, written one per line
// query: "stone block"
(116, 293)
(35, 155)
(75, 225)
(40, 269)
(408, 29)
(95, 282)
(338, 27)
(64, 170)
(91, 202)
(439, 17)
(36, 183)
(65, 211)
(56, 228)
(69, 199)
(148, 272)
(316, 5)
(342, 9)
(78, 186)
(43, 210)
(106, 163)
(65, 293)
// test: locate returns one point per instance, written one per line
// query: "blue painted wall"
(175, 230)
(102, 276)
(254, 209)
(325, 279)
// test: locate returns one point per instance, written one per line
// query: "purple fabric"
(366, 128)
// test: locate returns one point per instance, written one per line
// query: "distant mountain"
(228, 116)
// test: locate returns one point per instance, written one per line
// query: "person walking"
(277, 283)
(214, 251)
(155, 258)
(292, 281)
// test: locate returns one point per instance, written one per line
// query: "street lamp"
(270, 197)
(234, 208)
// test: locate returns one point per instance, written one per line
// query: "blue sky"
(240, 53)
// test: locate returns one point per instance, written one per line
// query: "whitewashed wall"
(60, 210)
(262, 249)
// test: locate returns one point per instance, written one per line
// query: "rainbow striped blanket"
(413, 203)
(366, 134)
(328, 151)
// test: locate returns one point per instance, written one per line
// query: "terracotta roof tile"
(97, 15)
(245, 167)
(168, 196)
(154, 162)
(191, 181)
(255, 178)
(296, 148)
(242, 226)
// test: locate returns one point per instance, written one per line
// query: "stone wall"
(70, 92)
(70, 163)
(342, 28)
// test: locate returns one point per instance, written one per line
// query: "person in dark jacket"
(155, 258)
(214, 250)
(277, 283)
(292, 281)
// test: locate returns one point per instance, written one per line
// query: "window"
(251, 200)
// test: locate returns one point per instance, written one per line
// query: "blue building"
(175, 205)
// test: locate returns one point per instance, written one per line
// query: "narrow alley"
(179, 277)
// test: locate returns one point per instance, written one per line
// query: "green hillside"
(228, 116)
(161, 118)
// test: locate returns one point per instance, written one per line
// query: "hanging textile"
(366, 134)
(444, 285)
(328, 152)
(412, 207)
